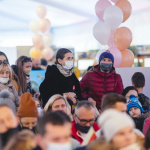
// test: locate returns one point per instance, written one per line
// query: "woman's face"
(131, 92)
(37, 104)
(2, 57)
(59, 105)
(124, 137)
(106, 60)
(5, 73)
(67, 57)
(27, 65)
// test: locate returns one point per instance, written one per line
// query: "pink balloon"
(117, 56)
(100, 7)
(44, 25)
(41, 11)
(37, 41)
(111, 39)
(48, 53)
(115, 1)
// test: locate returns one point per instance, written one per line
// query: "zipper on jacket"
(105, 83)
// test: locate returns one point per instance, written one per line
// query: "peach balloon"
(48, 53)
(126, 8)
(127, 58)
(44, 25)
(37, 41)
(36, 54)
(122, 38)
(41, 11)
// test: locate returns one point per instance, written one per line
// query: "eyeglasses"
(84, 122)
(27, 59)
(5, 62)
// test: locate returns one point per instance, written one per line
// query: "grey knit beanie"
(5, 98)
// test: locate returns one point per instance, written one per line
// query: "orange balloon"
(44, 25)
(36, 54)
(122, 38)
(126, 8)
(127, 58)
(37, 41)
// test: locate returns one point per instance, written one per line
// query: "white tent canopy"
(72, 22)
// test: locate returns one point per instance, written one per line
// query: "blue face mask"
(82, 128)
(106, 67)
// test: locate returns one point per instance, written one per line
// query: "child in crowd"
(138, 81)
(135, 110)
(7, 83)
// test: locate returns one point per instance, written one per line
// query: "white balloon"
(34, 26)
(101, 32)
(113, 16)
(98, 55)
(47, 40)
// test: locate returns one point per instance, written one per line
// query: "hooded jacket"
(56, 83)
(95, 84)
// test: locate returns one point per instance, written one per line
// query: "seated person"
(138, 81)
(85, 115)
(135, 110)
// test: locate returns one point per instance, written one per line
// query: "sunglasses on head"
(27, 59)
(4, 62)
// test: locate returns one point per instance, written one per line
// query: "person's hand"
(71, 96)
(92, 101)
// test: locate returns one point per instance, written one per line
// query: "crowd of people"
(97, 113)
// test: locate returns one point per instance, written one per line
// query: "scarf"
(64, 71)
(134, 146)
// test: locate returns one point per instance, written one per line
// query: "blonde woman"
(58, 102)
(7, 83)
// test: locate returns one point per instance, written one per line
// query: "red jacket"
(146, 125)
(95, 84)
(74, 131)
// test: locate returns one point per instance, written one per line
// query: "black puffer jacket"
(56, 83)
(139, 122)
(145, 101)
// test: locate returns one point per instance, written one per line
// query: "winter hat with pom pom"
(5, 98)
(27, 106)
(112, 121)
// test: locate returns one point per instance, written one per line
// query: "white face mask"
(4, 80)
(59, 146)
(134, 146)
(68, 65)
(40, 111)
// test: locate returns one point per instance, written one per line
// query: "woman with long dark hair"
(22, 70)
(60, 79)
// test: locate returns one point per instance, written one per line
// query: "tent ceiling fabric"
(16, 15)
(66, 15)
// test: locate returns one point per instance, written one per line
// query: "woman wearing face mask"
(22, 70)
(101, 80)
(60, 79)
(7, 83)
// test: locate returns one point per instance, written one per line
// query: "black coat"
(56, 83)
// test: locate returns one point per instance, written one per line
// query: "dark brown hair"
(21, 74)
(110, 100)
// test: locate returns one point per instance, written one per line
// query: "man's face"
(120, 106)
(28, 122)
(85, 117)
(37, 63)
(8, 119)
(56, 134)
